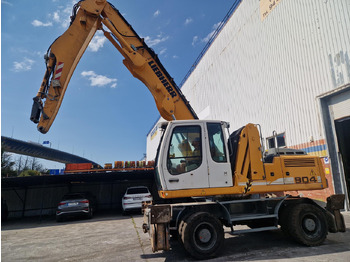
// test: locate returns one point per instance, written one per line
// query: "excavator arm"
(64, 54)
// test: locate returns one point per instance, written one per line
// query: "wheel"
(307, 225)
(180, 228)
(202, 235)
(90, 214)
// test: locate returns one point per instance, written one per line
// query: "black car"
(76, 204)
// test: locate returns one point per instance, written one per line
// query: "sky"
(106, 113)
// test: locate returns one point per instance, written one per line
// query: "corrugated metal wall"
(271, 71)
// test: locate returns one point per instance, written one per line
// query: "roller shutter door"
(340, 105)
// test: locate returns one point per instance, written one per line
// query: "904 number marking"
(305, 180)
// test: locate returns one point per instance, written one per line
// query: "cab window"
(185, 149)
(216, 142)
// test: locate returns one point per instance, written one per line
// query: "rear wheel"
(91, 213)
(202, 235)
(307, 224)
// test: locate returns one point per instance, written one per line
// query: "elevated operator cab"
(193, 155)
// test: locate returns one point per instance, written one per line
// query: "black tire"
(179, 232)
(202, 235)
(307, 225)
(90, 214)
(181, 226)
(59, 218)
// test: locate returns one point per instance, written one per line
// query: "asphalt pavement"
(113, 237)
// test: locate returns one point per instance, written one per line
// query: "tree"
(35, 165)
(22, 166)
(7, 165)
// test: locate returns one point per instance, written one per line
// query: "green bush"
(29, 173)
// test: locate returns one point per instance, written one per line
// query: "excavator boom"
(65, 52)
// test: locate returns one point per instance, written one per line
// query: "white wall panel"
(270, 72)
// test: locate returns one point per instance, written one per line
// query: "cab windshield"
(185, 150)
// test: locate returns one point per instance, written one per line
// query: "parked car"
(76, 204)
(134, 196)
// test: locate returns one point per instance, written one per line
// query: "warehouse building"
(283, 64)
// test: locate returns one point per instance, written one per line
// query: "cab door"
(220, 174)
(184, 161)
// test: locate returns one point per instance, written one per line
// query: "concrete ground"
(112, 237)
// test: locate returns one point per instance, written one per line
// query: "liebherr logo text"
(162, 79)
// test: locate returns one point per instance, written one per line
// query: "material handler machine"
(222, 174)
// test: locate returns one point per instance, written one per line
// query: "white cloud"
(56, 17)
(156, 13)
(62, 13)
(206, 39)
(162, 51)
(155, 41)
(37, 23)
(175, 57)
(25, 65)
(99, 80)
(66, 12)
(188, 21)
(6, 3)
(194, 40)
(215, 26)
(97, 42)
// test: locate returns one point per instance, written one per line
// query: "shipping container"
(78, 166)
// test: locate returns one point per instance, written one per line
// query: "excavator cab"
(193, 155)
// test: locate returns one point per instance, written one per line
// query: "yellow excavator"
(209, 174)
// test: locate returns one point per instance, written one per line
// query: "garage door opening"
(342, 128)
(335, 111)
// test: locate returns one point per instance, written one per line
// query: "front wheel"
(307, 224)
(91, 213)
(202, 235)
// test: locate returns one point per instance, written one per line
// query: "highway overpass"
(36, 150)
